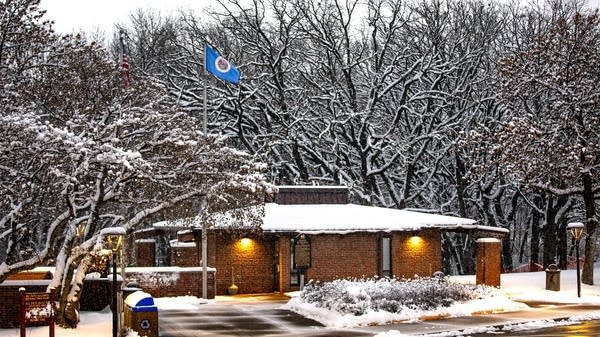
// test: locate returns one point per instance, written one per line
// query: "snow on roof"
(179, 224)
(312, 187)
(175, 243)
(343, 218)
(172, 269)
(348, 218)
(113, 231)
(145, 240)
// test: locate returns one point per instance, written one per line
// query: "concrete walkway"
(260, 315)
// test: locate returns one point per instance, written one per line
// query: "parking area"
(243, 316)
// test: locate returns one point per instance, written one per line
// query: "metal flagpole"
(204, 94)
(204, 229)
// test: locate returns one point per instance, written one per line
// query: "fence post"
(23, 327)
(51, 318)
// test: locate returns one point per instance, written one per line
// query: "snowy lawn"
(521, 286)
(99, 324)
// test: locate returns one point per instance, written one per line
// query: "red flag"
(125, 69)
(124, 62)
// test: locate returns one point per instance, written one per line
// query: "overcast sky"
(89, 15)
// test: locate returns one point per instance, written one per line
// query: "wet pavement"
(581, 329)
(538, 312)
(262, 316)
(244, 317)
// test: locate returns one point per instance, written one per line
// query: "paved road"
(541, 311)
(253, 317)
(243, 319)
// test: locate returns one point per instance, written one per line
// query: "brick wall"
(312, 195)
(416, 253)
(339, 256)
(171, 281)
(285, 265)
(9, 299)
(358, 255)
(184, 254)
(250, 259)
(96, 293)
(145, 253)
(30, 275)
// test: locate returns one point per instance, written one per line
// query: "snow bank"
(345, 303)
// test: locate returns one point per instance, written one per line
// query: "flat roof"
(348, 218)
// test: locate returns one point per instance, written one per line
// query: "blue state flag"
(219, 66)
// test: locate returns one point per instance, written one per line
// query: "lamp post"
(114, 240)
(576, 231)
(80, 231)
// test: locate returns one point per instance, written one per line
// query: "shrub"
(388, 294)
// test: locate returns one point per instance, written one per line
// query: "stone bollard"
(553, 278)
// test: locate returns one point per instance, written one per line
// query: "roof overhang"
(351, 218)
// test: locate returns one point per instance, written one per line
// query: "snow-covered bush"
(388, 294)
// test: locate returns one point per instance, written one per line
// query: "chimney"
(302, 195)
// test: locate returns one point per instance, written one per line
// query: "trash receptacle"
(130, 288)
(141, 315)
(553, 278)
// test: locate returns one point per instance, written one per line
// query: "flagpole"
(204, 93)
(202, 204)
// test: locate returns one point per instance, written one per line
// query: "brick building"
(314, 233)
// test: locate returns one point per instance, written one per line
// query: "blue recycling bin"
(141, 314)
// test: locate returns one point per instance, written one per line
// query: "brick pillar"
(488, 255)
(145, 253)
(284, 264)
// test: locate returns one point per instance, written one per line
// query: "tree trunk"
(460, 184)
(562, 245)
(67, 313)
(522, 246)
(587, 275)
(534, 246)
(550, 235)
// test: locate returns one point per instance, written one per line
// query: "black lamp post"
(576, 230)
(114, 240)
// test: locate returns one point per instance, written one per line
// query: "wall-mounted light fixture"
(416, 241)
(246, 242)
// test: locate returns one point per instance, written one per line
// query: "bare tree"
(78, 148)
(550, 143)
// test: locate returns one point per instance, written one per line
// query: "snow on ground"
(518, 286)
(530, 287)
(99, 324)
(494, 301)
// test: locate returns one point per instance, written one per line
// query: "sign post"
(36, 308)
(302, 256)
